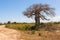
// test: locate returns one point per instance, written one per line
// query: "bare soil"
(8, 34)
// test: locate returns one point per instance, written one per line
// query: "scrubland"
(46, 31)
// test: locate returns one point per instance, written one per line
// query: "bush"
(0, 23)
(19, 26)
(14, 22)
(30, 26)
(8, 22)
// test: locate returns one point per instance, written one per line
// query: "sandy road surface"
(8, 34)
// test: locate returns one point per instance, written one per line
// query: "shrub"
(14, 22)
(8, 22)
(0, 23)
(19, 26)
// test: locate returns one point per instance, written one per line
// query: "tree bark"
(37, 20)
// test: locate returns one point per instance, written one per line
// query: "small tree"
(14, 22)
(8, 22)
(38, 10)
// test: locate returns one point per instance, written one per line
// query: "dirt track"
(8, 34)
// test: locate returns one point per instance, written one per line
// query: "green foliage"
(30, 26)
(19, 26)
(0, 23)
(8, 22)
(56, 22)
(14, 22)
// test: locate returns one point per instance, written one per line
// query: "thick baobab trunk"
(37, 20)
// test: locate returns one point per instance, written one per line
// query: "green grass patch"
(19, 26)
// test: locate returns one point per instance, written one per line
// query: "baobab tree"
(38, 11)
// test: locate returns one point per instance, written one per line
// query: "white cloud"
(53, 19)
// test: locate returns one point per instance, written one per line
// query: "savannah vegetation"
(43, 30)
(26, 26)
(39, 11)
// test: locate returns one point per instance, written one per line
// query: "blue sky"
(11, 10)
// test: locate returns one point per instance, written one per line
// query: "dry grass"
(54, 34)
(42, 34)
(45, 35)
